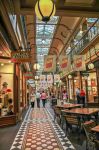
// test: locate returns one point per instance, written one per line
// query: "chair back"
(89, 134)
(72, 119)
(57, 110)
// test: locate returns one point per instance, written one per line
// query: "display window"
(91, 87)
(6, 89)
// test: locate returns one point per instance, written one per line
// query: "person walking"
(82, 95)
(43, 97)
(38, 95)
(33, 97)
(78, 95)
(65, 96)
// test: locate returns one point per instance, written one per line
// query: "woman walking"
(43, 97)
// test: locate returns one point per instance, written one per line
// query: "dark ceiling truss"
(54, 48)
(59, 24)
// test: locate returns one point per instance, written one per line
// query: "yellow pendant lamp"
(45, 9)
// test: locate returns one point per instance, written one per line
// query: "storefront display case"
(6, 93)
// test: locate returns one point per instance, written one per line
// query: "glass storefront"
(6, 89)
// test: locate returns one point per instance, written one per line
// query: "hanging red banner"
(63, 62)
(79, 63)
(50, 63)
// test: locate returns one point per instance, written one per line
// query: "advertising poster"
(50, 63)
(63, 61)
(49, 79)
(42, 78)
(79, 63)
(56, 77)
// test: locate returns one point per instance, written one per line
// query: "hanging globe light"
(45, 9)
(69, 76)
(36, 66)
(91, 66)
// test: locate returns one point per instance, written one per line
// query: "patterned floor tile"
(39, 132)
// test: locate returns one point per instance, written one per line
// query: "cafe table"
(82, 113)
(96, 130)
(69, 106)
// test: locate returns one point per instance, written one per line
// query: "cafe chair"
(72, 120)
(90, 136)
(97, 144)
(57, 114)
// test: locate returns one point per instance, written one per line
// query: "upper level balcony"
(89, 36)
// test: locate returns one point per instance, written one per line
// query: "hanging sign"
(21, 56)
(63, 61)
(56, 77)
(42, 78)
(28, 75)
(79, 63)
(49, 79)
(50, 63)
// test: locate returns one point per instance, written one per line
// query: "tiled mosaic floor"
(40, 133)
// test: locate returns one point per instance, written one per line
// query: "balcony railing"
(90, 34)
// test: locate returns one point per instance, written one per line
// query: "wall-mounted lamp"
(91, 66)
(69, 76)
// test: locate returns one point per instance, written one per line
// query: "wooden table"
(82, 113)
(69, 106)
(96, 129)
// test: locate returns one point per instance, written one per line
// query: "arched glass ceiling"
(44, 36)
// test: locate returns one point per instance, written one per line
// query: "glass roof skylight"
(44, 36)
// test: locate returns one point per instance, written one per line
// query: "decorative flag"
(79, 63)
(49, 79)
(50, 63)
(56, 77)
(63, 61)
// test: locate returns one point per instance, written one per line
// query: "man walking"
(78, 95)
(38, 95)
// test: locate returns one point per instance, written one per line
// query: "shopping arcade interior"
(60, 38)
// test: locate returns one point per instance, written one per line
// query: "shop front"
(7, 112)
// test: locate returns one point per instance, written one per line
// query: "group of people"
(80, 94)
(38, 96)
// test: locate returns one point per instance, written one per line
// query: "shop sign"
(28, 75)
(50, 63)
(21, 56)
(49, 78)
(63, 62)
(56, 77)
(79, 63)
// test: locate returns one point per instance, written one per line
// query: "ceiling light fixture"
(2, 64)
(45, 9)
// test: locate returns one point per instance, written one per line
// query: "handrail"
(78, 42)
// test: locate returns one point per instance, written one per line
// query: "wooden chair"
(91, 137)
(57, 113)
(72, 120)
(97, 144)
